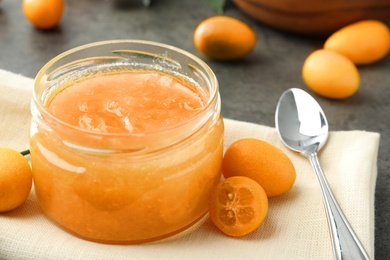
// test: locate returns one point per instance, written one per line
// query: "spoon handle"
(345, 242)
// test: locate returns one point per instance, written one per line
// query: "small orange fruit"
(238, 206)
(224, 38)
(330, 74)
(362, 42)
(43, 14)
(262, 162)
(15, 179)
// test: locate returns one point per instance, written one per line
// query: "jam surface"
(127, 102)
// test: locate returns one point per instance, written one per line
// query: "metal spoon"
(302, 127)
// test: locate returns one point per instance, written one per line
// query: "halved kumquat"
(238, 206)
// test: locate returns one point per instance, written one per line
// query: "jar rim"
(212, 101)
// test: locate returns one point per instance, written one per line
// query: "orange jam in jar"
(126, 140)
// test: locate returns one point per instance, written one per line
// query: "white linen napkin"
(295, 226)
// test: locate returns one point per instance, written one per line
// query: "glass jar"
(125, 188)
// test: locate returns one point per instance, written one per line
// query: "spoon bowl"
(301, 129)
(302, 126)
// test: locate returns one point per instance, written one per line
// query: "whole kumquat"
(15, 179)
(362, 42)
(43, 14)
(224, 38)
(262, 162)
(330, 74)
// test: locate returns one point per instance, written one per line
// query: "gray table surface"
(250, 88)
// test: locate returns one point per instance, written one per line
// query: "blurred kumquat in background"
(43, 14)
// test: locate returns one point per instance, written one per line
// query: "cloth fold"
(295, 226)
